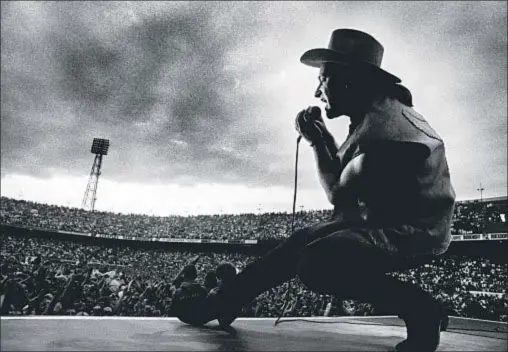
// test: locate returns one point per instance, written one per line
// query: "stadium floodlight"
(100, 148)
(481, 189)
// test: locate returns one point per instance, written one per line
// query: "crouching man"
(390, 187)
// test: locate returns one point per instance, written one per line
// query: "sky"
(198, 99)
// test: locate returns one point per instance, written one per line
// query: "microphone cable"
(286, 296)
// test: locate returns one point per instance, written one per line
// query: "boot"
(424, 324)
(220, 303)
(222, 307)
(217, 306)
(424, 316)
(445, 319)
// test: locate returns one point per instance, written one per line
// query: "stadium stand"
(470, 217)
(46, 271)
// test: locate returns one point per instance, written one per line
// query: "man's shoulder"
(392, 121)
(393, 109)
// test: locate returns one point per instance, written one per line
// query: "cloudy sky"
(198, 99)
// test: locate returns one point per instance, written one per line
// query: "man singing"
(390, 187)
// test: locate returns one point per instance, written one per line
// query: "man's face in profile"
(332, 89)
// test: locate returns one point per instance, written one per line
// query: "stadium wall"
(493, 246)
(177, 244)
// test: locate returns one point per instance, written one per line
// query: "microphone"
(314, 114)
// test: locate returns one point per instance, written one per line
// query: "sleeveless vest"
(429, 204)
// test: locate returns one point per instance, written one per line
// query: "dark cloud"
(157, 88)
(158, 79)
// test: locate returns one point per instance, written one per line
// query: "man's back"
(421, 195)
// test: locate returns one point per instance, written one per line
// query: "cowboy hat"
(350, 47)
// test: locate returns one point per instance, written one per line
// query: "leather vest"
(430, 203)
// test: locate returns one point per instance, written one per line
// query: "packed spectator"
(44, 276)
(469, 217)
(475, 217)
(47, 276)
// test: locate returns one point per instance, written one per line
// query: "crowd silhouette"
(45, 276)
(469, 217)
(42, 276)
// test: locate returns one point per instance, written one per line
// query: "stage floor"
(59, 333)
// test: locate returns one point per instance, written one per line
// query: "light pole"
(481, 189)
(100, 148)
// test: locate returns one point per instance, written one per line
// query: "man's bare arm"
(311, 126)
(328, 164)
(387, 169)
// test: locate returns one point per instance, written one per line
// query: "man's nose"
(317, 93)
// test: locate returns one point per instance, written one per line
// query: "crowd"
(46, 276)
(475, 217)
(470, 217)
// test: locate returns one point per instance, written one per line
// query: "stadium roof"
(485, 200)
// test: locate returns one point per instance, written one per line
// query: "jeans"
(347, 260)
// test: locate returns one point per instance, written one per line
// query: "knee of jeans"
(342, 260)
(321, 279)
(315, 272)
(311, 274)
(300, 238)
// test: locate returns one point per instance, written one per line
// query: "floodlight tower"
(99, 148)
(481, 189)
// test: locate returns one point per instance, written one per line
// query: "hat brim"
(317, 57)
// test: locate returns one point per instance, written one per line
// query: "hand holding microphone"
(310, 125)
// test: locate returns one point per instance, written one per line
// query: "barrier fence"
(464, 237)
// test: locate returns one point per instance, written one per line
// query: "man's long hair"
(377, 82)
(401, 93)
